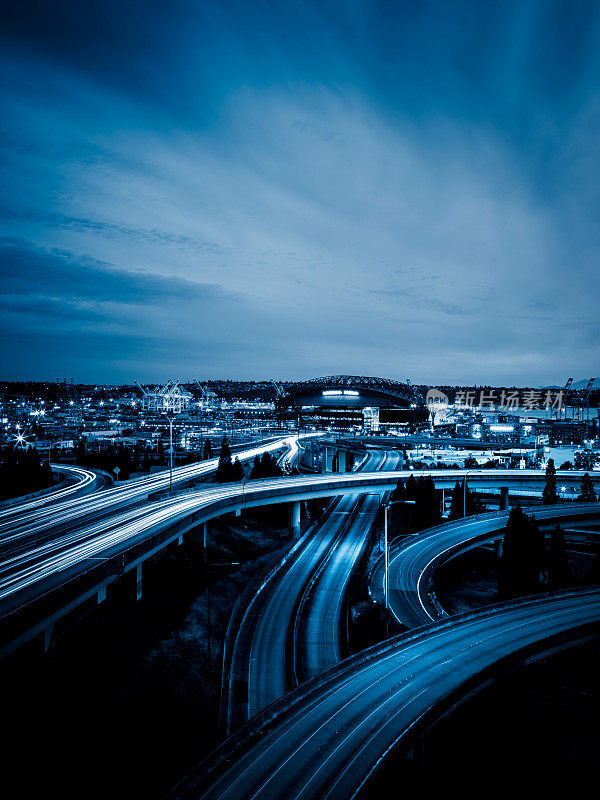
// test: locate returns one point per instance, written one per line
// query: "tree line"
(22, 471)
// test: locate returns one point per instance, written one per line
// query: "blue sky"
(289, 189)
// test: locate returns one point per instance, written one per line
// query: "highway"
(104, 549)
(324, 740)
(414, 560)
(79, 480)
(270, 672)
(26, 521)
(321, 619)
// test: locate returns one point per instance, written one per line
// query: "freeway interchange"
(312, 722)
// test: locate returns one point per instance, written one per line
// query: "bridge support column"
(341, 461)
(498, 547)
(204, 540)
(101, 594)
(327, 459)
(180, 539)
(295, 519)
(238, 512)
(138, 582)
(504, 498)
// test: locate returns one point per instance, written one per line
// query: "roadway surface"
(269, 675)
(321, 635)
(99, 552)
(327, 738)
(27, 523)
(414, 560)
(78, 481)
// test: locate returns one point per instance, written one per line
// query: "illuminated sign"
(502, 428)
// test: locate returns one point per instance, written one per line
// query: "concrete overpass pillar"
(341, 461)
(180, 539)
(238, 512)
(498, 547)
(327, 459)
(204, 540)
(138, 582)
(101, 594)
(295, 519)
(504, 498)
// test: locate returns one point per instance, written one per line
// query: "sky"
(292, 189)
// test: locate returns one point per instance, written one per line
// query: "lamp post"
(386, 576)
(465, 494)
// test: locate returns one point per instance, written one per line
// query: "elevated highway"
(327, 738)
(30, 521)
(414, 559)
(76, 480)
(41, 582)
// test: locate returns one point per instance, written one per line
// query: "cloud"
(336, 187)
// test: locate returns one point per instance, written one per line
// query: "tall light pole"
(386, 576)
(170, 455)
(465, 494)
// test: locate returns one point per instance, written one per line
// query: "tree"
(208, 451)
(522, 556)
(558, 561)
(237, 471)
(427, 512)
(399, 492)
(588, 495)
(255, 469)
(411, 488)
(464, 502)
(550, 495)
(225, 467)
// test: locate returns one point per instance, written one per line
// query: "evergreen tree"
(464, 502)
(224, 469)
(588, 495)
(550, 495)
(399, 492)
(237, 471)
(256, 470)
(411, 488)
(522, 556)
(208, 451)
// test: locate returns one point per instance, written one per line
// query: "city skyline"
(303, 189)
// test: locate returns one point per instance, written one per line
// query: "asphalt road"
(327, 743)
(320, 641)
(412, 564)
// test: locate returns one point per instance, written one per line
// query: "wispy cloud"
(300, 188)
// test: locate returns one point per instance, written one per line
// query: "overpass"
(329, 736)
(44, 582)
(414, 559)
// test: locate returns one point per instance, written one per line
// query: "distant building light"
(502, 428)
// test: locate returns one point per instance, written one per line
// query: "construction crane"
(167, 399)
(279, 390)
(564, 394)
(209, 398)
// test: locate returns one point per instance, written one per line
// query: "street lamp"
(386, 577)
(465, 493)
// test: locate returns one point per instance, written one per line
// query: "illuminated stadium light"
(331, 392)
(351, 392)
